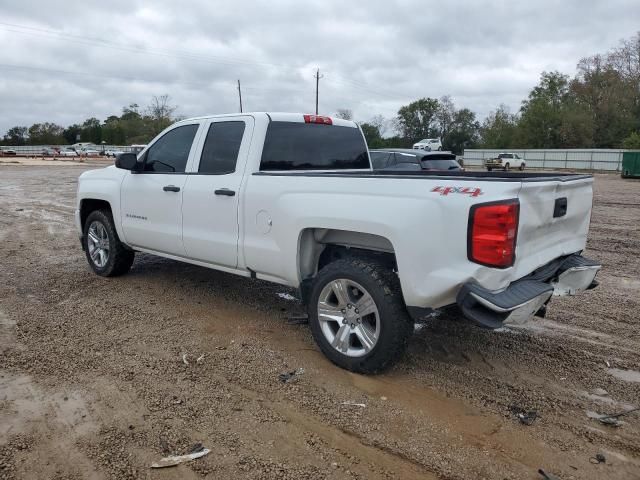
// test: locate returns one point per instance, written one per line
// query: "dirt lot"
(93, 383)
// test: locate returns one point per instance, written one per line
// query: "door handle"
(225, 191)
(171, 188)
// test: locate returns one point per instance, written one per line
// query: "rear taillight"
(318, 119)
(493, 228)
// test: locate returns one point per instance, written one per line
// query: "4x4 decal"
(471, 191)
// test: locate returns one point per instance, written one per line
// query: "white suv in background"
(433, 144)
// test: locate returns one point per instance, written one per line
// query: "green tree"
(91, 131)
(498, 129)
(45, 134)
(71, 133)
(16, 136)
(541, 113)
(632, 142)
(463, 132)
(418, 119)
(372, 135)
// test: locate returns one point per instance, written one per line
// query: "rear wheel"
(106, 254)
(357, 315)
(522, 167)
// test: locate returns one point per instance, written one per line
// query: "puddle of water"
(626, 375)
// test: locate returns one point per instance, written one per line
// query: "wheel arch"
(318, 247)
(88, 205)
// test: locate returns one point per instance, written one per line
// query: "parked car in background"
(409, 159)
(137, 148)
(7, 151)
(433, 144)
(113, 152)
(89, 152)
(505, 161)
(67, 152)
(50, 152)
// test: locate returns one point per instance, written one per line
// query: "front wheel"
(522, 167)
(357, 315)
(507, 167)
(106, 254)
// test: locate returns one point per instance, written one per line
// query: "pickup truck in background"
(505, 161)
(292, 199)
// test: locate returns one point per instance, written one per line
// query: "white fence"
(37, 150)
(578, 159)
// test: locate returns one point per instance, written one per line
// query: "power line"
(179, 54)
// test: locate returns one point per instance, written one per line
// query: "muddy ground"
(93, 382)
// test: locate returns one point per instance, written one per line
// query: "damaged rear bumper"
(525, 298)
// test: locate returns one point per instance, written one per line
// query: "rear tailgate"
(554, 220)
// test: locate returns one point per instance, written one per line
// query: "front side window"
(310, 146)
(221, 147)
(171, 152)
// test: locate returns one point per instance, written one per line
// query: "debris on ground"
(286, 296)
(547, 476)
(599, 458)
(613, 418)
(354, 404)
(184, 359)
(200, 359)
(197, 451)
(292, 376)
(526, 417)
(301, 319)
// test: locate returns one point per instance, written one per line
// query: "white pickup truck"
(292, 199)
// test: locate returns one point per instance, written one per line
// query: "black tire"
(120, 258)
(507, 167)
(489, 169)
(522, 167)
(396, 326)
(439, 149)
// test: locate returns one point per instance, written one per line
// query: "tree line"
(598, 108)
(135, 125)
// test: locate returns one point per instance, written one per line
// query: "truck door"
(151, 199)
(212, 192)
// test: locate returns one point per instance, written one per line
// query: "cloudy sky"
(65, 61)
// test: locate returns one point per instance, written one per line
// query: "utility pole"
(240, 95)
(317, 76)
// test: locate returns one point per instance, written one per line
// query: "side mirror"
(127, 161)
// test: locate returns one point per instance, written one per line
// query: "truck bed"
(474, 175)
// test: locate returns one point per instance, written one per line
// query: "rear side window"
(309, 146)
(171, 152)
(221, 147)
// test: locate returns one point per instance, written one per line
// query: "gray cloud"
(375, 56)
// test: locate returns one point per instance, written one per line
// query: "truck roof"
(279, 117)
